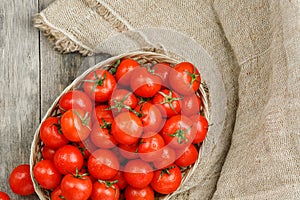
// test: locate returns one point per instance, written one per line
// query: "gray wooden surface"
(32, 75)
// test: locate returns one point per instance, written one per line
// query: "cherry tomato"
(75, 99)
(99, 85)
(163, 70)
(150, 147)
(4, 196)
(166, 181)
(76, 125)
(103, 164)
(123, 74)
(165, 158)
(103, 115)
(47, 153)
(190, 105)
(145, 193)
(56, 194)
(202, 127)
(185, 78)
(102, 138)
(46, 174)
(20, 180)
(150, 116)
(127, 128)
(129, 151)
(144, 83)
(121, 182)
(188, 157)
(51, 134)
(138, 173)
(179, 131)
(107, 190)
(122, 100)
(168, 102)
(76, 186)
(68, 159)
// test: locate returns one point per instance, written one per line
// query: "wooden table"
(32, 75)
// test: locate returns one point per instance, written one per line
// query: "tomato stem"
(180, 134)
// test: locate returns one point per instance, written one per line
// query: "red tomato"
(75, 99)
(99, 85)
(150, 147)
(138, 173)
(150, 116)
(20, 180)
(76, 186)
(179, 131)
(168, 102)
(47, 153)
(4, 196)
(129, 151)
(122, 100)
(103, 115)
(127, 128)
(185, 78)
(121, 182)
(51, 135)
(102, 138)
(144, 83)
(123, 74)
(202, 127)
(76, 125)
(132, 193)
(188, 157)
(163, 70)
(67, 159)
(190, 105)
(56, 194)
(167, 180)
(103, 164)
(46, 174)
(165, 158)
(105, 190)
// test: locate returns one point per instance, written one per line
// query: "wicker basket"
(142, 58)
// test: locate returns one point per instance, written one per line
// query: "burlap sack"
(253, 44)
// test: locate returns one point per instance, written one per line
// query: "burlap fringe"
(61, 42)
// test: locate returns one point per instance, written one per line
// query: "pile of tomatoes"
(126, 132)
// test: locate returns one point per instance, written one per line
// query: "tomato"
(129, 151)
(107, 190)
(56, 194)
(103, 115)
(150, 147)
(76, 125)
(179, 131)
(46, 174)
(166, 181)
(138, 173)
(99, 85)
(185, 78)
(127, 128)
(121, 182)
(76, 186)
(188, 157)
(75, 99)
(190, 105)
(144, 83)
(103, 164)
(163, 70)
(47, 153)
(51, 134)
(202, 127)
(122, 100)
(168, 102)
(165, 158)
(150, 116)
(4, 196)
(145, 193)
(123, 74)
(68, 159)
(102, 138)
(85, 147)
(20, 180)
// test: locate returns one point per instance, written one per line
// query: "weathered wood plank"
(19, 82)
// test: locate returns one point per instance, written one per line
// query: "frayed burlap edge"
(62, 43)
